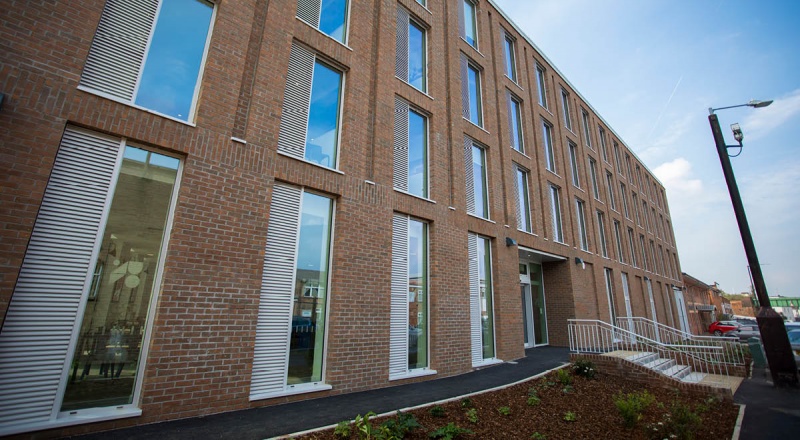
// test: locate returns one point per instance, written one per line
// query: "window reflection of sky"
(323, 116)
(478, 180)
(312, 253)
(474, 95)
(417, 181)
(148, 157)
(172, 66)
(416, 56)
(332, 18)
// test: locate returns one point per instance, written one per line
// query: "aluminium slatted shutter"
(296, 101)
(400, 177)
(117, 53)
(53, 278)
(464, 64)
(270, 359)
(470, 180)
(398, 328)
(309, 11)
(476, 328)
(518, 192)
(401, 53)
(511, 114)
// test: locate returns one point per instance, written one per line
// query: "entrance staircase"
(713, 361)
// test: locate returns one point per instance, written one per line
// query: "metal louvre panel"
(401, 54)
(400, 177)
(309, 11)
(476, 330)
(468, 175)
(44, 306)
(462, 28)
(296, 100)
(398, 329)
(464, 87)
(119, 45)
(517, 192)
(277, 281)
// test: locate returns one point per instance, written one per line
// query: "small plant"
(534, 400)
(568, 389)
(533, 392)
(342, 429)
(584, 368)
(472, 415)
(632, 405)
(570, 416)
(548, 384)
(564, 377)
(398, 427)
(682, 421)
(437, 411)
(537, 436)
(449, 432)
(466, 402)
(504, 410)
(364, 428)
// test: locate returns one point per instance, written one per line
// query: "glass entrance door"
(534, 316)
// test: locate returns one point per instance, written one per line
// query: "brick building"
(705, 304)
(211, 206)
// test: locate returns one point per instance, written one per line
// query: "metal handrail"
(594, 336)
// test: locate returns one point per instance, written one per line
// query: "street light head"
(737, 133)
(755, 103)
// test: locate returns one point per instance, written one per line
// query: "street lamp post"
(773, 333)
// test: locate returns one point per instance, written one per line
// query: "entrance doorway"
(680, 304)
(534, 315)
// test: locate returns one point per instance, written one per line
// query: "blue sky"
(652, 69)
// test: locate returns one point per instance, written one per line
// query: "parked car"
(745, 332)
(791, 326)
(794, 339)
(718, 328)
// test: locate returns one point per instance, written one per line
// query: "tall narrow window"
(468, 22)
(656, 225)
(471, 92)
(408, 335)
(329, 16)
(586, 131)
(646, 214)
(623, 194)
(644, 252)
(477, 191)
(410, 150)
(618, 240)
(309, 127)
(635, 203)
(639, 180)
(565, 109)
(555, 213)
(593, 175)
(291, 324)
(542, 85)
(136, 48)
(675, 265)
(601, 230)
(671, 233)
(603, 148)
(523, 202)
(617, 162)
(515, 123)
(612, 303)
(481, 300)
(549, 154)
(632, 247)
(510, 57)
(410, 55)
(580, 213)
(610, 187)
(629, 169)
(661, 264)
(573, 163)
(655, 259)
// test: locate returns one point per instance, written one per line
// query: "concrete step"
(659, 364)
(643, 357)
(694, 377)
(678, 371)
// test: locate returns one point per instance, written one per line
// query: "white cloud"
(676, 177)
(760, 122)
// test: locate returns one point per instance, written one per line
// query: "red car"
(720, 327)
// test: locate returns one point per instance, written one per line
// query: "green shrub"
(534, 400)
(632, 405)
(472, 415)
(398, 427)
(449, 432)
(533, 392)
(570, 416)
(567, 389)
(682, 421)
(504, 410)
(342, 429)
(363, 426)
(466, 402)
(537, 436)
(584, 368)
(564, 377)
(437, 411)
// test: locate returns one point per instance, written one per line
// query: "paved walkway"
(770, 412)
(277, 420)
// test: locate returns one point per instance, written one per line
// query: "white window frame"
(555, 213)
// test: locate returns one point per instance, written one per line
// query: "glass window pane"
(479, 182)
(172, 68)
(333, 18)
(470, 32)
(311, 287)
(112, 329)
(416, 56)
(323, 116)
(417, 155)
(508, 49)
(474, 96)
(516, 126)
(485, 285)
(542, 86)
(524, 214)
(417, 295)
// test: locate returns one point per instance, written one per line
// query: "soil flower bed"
(560, 405)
